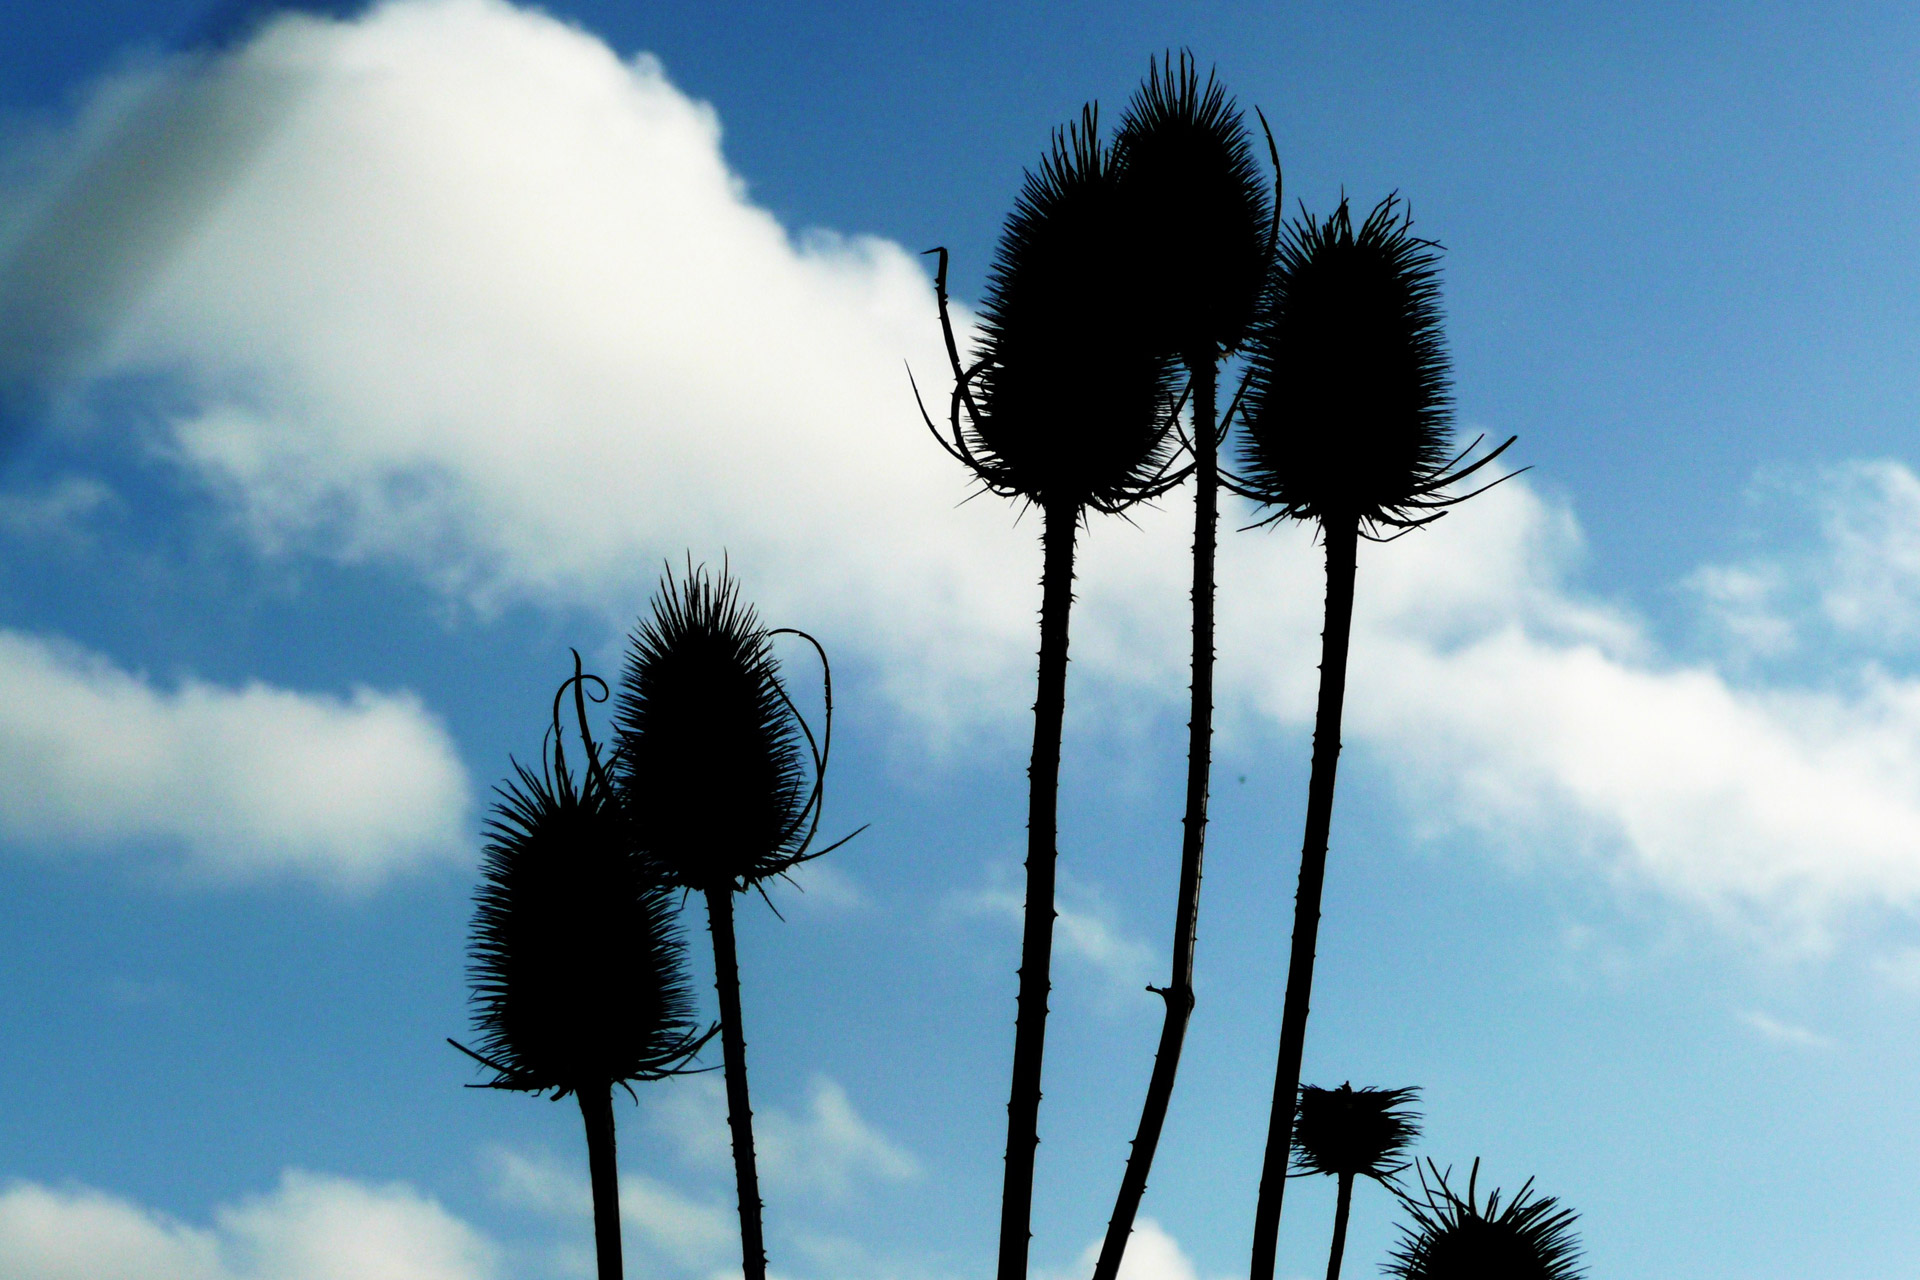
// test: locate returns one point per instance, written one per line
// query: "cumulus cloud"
(489, 301)
(311, 1227)
(475, 295)
(245, 782)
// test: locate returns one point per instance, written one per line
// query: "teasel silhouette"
(577, 963)
(1454, 1237)
(711, 762)
(1349, 1133)
(1347, 424)
(1205, 225)
(1066, 405)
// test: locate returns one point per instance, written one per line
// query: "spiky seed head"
(708, 746)
(1354, 1132)
(1453, 1237)
(1199, 208)
(1070, 390)
(1348, 412)
(576, 960)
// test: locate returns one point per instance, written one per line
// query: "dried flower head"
(711, 755)
(1199, 212)
(576, 959)
(1348, 413)
(1349, 1132)
(1453, 1237)
(1067, 402)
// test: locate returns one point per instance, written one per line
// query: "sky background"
(356, 363)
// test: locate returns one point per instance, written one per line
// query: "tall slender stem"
(1036, 940)
(596, 1110)
(1342, 539)
(1178, 993)
(1341, 1206)
(733, 1045)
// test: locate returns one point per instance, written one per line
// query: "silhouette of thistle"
(577, 964)
(1347, 1133)
(1066, 405)
(1453, 1237)
(1347, 424)
(1204, 226)
(710, 768)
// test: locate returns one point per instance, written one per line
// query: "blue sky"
(358, 363)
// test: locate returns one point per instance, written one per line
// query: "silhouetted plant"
(1066, 406)
(1452, 1237)
(1347, 424)
(711, 763)
(1204, 228)
(1349, 1133)
(577, 964)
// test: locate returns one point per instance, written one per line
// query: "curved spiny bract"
(710, 769)
(1348, 413)
(577, 964)
(709, 750)
(1198, 209)
(1453, 1237)
(1067, 395)
(1349, 1132)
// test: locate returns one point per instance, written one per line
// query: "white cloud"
(824, 1151)
(488, 301)
(246, 782)
(311, 1227)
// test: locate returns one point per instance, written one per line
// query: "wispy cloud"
(827, 1149)
(1087, 929)
(63, 509)
(689, 1231)
(1781, 1032)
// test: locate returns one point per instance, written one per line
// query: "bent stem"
(733, 1045)
(1342, 539)
(1036, 940)
(1178, 993)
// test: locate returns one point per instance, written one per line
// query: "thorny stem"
(1178, 994)
(596, 1110)
(1036, 942)
(1342, 539)
(733, 1044)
